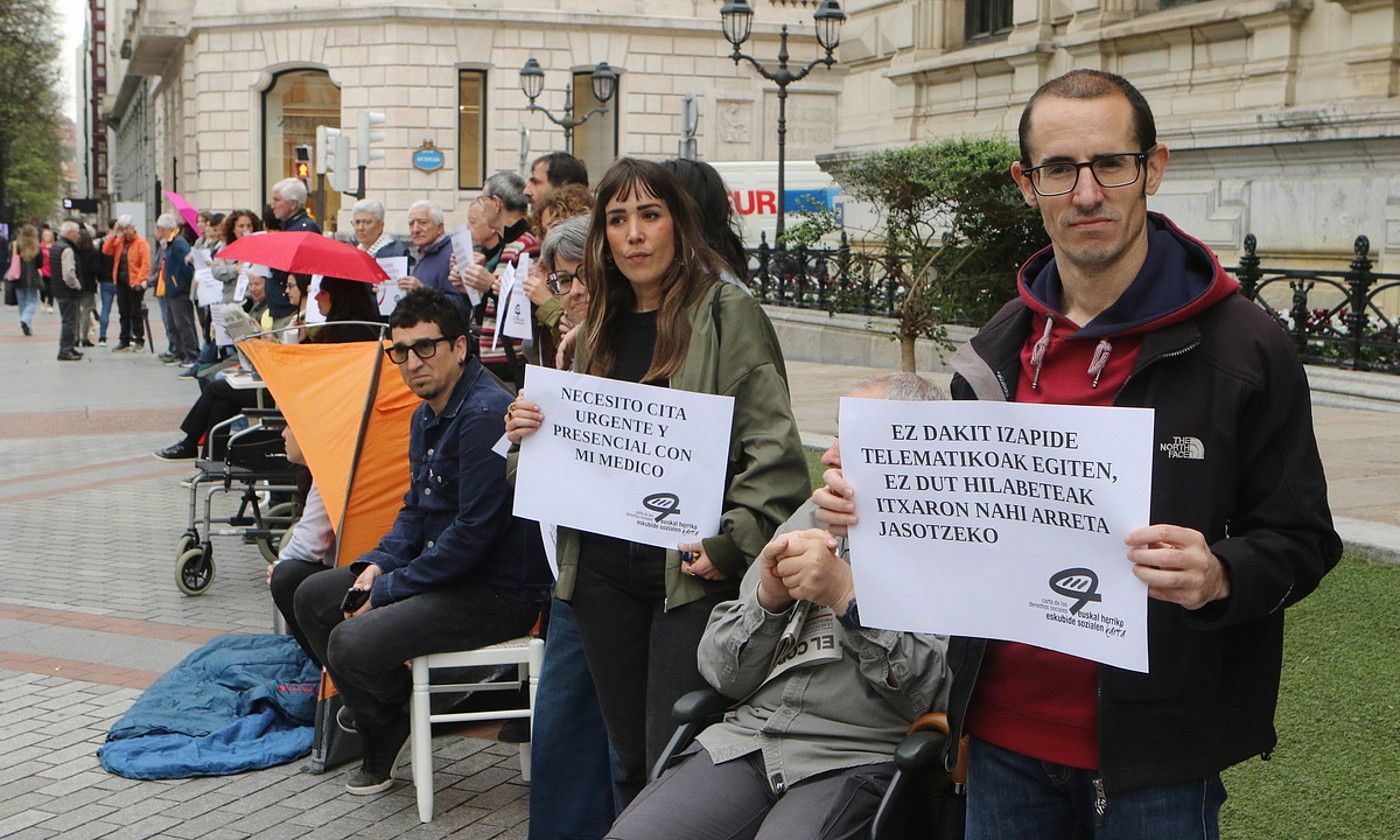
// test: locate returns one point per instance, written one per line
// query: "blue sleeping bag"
(238, 703)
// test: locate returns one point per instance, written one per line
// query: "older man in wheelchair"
(822, 700)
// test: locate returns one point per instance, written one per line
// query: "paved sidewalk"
(89, 614)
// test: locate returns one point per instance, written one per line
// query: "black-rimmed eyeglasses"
(1115, 170)
(423, 348)
(560, 282)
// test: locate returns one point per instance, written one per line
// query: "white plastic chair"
(526, 652)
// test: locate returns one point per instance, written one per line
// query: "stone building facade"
(211, 96)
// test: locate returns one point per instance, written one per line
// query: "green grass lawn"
(1336, 772)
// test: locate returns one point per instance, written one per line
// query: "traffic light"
(328, 162)
(339, 174)
(369, 131)
(302, 166)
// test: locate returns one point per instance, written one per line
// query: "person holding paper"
(1125, 309)
(503, 209)
(660, 315)
(456, 571)
(845, 701)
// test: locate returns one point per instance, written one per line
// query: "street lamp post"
(604, 80)
(736, 18)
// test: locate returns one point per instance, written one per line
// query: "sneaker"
(172, 362)
(122, 347)
(182, 450)
(101, 342)
(137, 346)
(166, 357)
(384, 750)
(27, 329)
(187, 373)
(70, 357)
(87, 343)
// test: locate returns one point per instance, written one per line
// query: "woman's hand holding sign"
(523, 419)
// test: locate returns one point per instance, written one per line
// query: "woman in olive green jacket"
(660, 315)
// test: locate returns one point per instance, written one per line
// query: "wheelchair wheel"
(194, 571)
(186, 542)
(270, 546)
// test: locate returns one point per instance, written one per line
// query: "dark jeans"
(642, 655)
(286, 577)
(696, 799)
(571, 788)
(129, 313)
(365, 655)
(185, 341)
(217, 403)
(68, 317)
(1015, 797)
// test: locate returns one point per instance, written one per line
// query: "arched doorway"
(296, 102)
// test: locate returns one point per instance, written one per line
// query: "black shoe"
(122, 347)
(166, 357)
(70, 356)
(384, 750)
(183, 450)
(515, 731)
(87, 343)
(27, 329)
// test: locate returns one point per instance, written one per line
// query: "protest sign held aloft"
(1001, 521)
(636, 462)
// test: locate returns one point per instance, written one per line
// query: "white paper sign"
(216, 317)
(388, 292)
(1001, 521)
(549, 535)
(240, 289)
(314, 315)
(208, 289)
(515, 322)
(636, 462)
(507, 275)
(463, 251)
(199, 257)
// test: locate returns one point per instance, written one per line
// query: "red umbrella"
(185, 209)
(306, 252)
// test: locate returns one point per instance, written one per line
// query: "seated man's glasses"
(1116, 170)
(423, 348)
(560, 282)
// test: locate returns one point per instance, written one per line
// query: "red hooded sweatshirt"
(1027, 699)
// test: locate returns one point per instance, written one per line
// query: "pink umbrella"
(185, 209)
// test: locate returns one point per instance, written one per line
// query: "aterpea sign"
(1001, 521)
(630, 461)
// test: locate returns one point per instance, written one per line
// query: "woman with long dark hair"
(659, 314)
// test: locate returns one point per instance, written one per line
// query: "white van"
(753, 191)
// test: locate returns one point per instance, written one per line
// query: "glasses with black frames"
(423, 348)
(560, 282)
(1119, 169)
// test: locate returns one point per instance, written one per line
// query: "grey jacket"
(823, 717)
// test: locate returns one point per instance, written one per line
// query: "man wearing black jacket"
(288, 203)
(1123, 309)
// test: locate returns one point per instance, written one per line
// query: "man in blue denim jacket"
(457, 570)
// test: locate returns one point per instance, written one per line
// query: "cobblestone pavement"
(90, 616)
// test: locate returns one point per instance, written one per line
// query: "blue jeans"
(28, 302)
(571, 788)
(109, 293)
(167, 322)
(1014, 797)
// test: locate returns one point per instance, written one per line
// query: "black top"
(636, 340)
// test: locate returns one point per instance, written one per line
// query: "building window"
(297, 102)
(471, 129)
(987, 19)
(595, 142)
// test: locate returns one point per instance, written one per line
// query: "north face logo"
(1185, 447)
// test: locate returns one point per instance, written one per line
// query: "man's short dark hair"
(1093, 84)
(562, 168)
(426, 305)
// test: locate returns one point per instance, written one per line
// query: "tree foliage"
(958, 224)
(30, 170)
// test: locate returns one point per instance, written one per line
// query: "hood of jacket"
(1180, 278)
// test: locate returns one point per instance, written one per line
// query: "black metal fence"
(1335, 317)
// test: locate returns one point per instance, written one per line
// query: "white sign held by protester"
(314, 315)
(387, 293)
(464, 253)
(1001, 521)
(216, 318)
(207, 290)
(515, 321)
(636, 462)
(240, 289)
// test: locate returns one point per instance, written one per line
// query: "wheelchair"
(251, 462)
(924, 800)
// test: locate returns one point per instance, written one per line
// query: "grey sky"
(71, 17)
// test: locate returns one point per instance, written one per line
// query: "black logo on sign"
(1079, 584)
(662, 504)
